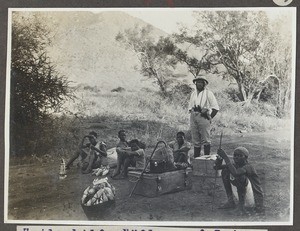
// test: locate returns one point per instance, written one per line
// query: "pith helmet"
(200, 77)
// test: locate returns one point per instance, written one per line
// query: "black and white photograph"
(150, 116)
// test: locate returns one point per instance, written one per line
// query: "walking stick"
(216, 173)
(146, 165)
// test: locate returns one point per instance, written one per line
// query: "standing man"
(203, 106)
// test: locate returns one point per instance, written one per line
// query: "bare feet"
(228, 205)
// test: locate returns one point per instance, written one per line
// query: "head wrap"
(242, 150)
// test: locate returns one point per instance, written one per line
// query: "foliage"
(245, 43)
(118, 89)
(180, 95)
(129, 109)
(155, 61)
(232, 94)
(36, 87)
(191, 52)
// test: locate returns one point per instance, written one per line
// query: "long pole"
(146, 165)
(216, 173)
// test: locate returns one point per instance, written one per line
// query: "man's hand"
(222, 153)
(88, 170)
(218, 161)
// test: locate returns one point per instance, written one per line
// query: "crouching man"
(133, 157)
(180, 148)
(239, 174)
(91, 153)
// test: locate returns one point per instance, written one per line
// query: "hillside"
(84, 48)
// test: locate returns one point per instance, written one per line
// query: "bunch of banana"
(101, 191)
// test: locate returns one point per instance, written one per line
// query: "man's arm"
(213, 104)
(90, 163)
(102, 149)
(184, 148)
(138, 152)
(235, 172)
(131, 153)
(191, 102)
(122, 150)
(218, 164)
(220, 167)
(84, 145)
(213, 113)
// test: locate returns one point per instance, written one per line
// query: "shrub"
(118, 89)
(144, 115)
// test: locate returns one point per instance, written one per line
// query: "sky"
(167, 18)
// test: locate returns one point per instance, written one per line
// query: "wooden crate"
(156, 184)
(203, 166)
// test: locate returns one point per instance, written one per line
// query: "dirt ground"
(37, 193)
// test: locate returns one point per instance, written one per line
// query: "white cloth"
(205, 99)
(249, 197)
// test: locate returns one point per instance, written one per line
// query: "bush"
(233, 94)
(144, 115)
(237, 117)
(118, 89)
(180, 95)
(94, 89)
(37, 89)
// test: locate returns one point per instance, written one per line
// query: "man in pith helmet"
(203, 107)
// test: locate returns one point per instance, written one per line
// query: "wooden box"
(203, 166)
(156, 184)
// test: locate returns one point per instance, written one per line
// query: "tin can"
(62, 170)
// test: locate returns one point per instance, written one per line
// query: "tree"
(192, 53)
(154, 56)
(239, 42)
(242, 41)
(279, 62)
(36, 87)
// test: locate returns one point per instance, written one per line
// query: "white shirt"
(205, 99)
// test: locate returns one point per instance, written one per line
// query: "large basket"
(99, 211)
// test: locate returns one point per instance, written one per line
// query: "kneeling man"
(239, 174)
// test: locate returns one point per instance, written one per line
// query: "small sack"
(158, 166)
(164, 154)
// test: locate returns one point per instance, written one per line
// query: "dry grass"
(150, 106)
(147, 116)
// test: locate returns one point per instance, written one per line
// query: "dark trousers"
(120, 160)
(75, 156)
(123, 162)
(180, 158)
(128, 162)
(240, 182)
(92, 162)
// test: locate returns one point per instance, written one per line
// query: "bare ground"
(36, 193)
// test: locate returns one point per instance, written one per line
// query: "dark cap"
(242, 150)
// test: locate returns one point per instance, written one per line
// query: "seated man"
(134, 157)
(91, 153)
(238, 174)
(180, 149)
(120, 148)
